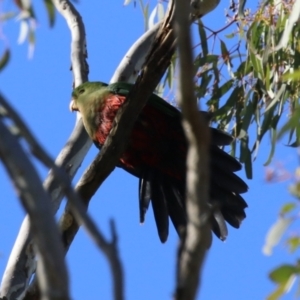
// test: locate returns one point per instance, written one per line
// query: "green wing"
(123, 88)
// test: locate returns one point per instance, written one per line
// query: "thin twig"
(197, 238)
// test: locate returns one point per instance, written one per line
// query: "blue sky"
(40, 90)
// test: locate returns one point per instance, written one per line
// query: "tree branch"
(52, 272)
(197, 238)
(78, 209)
(134, 59)
(21, 263)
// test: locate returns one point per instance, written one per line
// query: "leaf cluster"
(251, 87)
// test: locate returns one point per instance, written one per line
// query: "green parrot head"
(86, 94)
(88, 99)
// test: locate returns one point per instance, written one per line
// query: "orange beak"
(72, 106)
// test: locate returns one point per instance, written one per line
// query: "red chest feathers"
(106, 115)
(156, 140)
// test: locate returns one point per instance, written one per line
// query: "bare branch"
(21, 264)
(52, 272)
(197, 237)
(110, 250)
(135, 57)
(78, 44)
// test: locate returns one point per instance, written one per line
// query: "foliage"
(259, 93)
(285, 275)
(25, 15)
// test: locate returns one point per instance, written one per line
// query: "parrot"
(156, 154)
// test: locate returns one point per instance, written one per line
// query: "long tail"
(167, 194)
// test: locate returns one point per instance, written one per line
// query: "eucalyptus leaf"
(275, 233)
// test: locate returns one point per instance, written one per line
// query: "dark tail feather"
(175, 201)
(160, 209)
(231, 205)
(144, 194)
(167, 198)
(224, 160)
(227, 180)
(219, 137)
(234, 218)
(219, 226)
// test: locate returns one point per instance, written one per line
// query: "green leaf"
(282, 288)
(266, 125)
(293, 243)
(230, 36)
(294, 189)
(243, 69)
(257, 65)
(267, 77)
(225, 87)
(236, 94)
(219, 92)
(291, 76)
(245, 154)
(275, 233)
(283, 273)
(4, 59)
(205, 80)
(248, 115)
(248, 164)
(277, 293)
(201, 61)
(273, 143)
(243, 145)
(203, 38)
(242, 4)
(277, 99)
(224, 51)
(51, 11)
(31, 36)
(287, 207)
(297, 60)
(293, 122)
(169, 78)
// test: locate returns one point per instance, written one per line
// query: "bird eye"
(81, 91)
